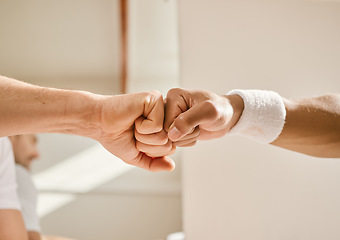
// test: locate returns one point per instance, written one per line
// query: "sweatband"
(263, 116)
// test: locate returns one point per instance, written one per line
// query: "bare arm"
(25, 108)
(12, 225)
(312, 126)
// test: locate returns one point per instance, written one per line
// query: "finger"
(202, 113)
(185, 143)
(154, 148)
(192, 135)
(189, 144)
(160, 138)
(154, 164)
(161, 154)
(175, 105)
(153, 114)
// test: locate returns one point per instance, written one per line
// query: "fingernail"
(174, 134)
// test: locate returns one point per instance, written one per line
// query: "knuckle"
(151, 97)
(211, 109)
(156, 94)
(173, 92)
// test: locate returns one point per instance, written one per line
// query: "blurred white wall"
(63, 43)
(153, 53)
(235, 188)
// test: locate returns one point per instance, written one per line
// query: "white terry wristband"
(263, 116)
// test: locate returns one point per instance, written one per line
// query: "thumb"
(153, 114)
(156, 164)
(185, 123)
(175, 104)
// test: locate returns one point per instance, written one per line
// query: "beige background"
(237, 189)
(69, 44)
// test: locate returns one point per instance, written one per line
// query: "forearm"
(12, 226)
(25, 108)
(312, 126)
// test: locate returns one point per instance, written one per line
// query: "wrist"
(237, 105)
(81, 115)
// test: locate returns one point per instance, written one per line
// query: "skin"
(312, 125)
(187, 110)
(27, 109)
(195, 115)
(25, 149)
(12, 225)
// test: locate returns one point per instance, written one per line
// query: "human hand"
(142, 114)
(191, 115)
(155, 144)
